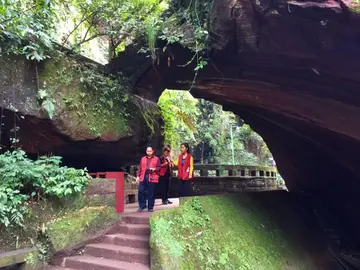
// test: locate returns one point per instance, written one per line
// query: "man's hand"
(138, 179)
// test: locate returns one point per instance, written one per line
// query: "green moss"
(149, 111)
(76, 226)
(16, 258)
(95, 200)
(88, 109)
(54, 225)
(222, 232)
(39, 214)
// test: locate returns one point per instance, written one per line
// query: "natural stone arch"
(298, 88)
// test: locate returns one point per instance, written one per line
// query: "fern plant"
(22, 178)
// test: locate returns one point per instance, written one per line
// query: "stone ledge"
(15, 256)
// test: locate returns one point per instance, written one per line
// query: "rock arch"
(292, 71)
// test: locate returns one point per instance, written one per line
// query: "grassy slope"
(222, 232)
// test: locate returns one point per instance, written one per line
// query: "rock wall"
(291, 70)
(89, 127)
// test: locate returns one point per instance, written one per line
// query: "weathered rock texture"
(291, 70)
(85, 130)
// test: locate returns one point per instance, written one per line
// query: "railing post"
(119, 189)
(132, 171)
(204, 172)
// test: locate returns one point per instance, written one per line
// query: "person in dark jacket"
(165, 174)
(148, 177)
(185, 164)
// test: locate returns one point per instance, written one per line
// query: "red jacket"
(165, 166)
(187, 169)
(145, 164)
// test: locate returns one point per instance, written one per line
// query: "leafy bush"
(22, 178)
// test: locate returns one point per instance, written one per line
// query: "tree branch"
(87, 32)
(113, 49)
(122, 38)
(83, 19)
(88, 39)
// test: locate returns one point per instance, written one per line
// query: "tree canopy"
(31, 27)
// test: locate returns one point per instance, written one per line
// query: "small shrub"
(22, 179)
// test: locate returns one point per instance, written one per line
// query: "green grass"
(222, 232)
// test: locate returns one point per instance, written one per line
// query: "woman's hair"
(186, 146)
(150, 147)
(167, 148)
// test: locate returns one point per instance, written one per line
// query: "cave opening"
(216, 136)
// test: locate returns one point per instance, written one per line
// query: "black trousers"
(184, 187)
(164, 185)
(144, 186)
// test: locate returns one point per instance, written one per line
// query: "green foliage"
(32, 27)
(111, 90)
(179, 111)
(46, 103)
(49, 107)
(191, 18)
(126, 20)
(205, 123)
(151, 29)
(222, 232)
(25, 27)
(22, 178)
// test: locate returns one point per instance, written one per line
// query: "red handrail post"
(119, 189)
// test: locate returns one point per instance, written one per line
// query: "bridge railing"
(242, 171)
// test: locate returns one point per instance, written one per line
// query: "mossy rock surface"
(61, 223)
(83, 112)
(226, 232)
(77, 226)
(87, 103)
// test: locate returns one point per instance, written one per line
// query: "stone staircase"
(126, 247)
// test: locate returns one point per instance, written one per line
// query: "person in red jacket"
(185, 164)
(165, 174)
(148, 177)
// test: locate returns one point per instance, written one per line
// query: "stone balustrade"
(239, 171)
(220, 178)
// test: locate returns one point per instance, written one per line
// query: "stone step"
(128, 254)
(138, 218)
(137, 229)
(129, 240)
(93, 263)
(55, 268)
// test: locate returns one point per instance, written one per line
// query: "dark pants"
(144, 186)
(184, 187)
(164, 184)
